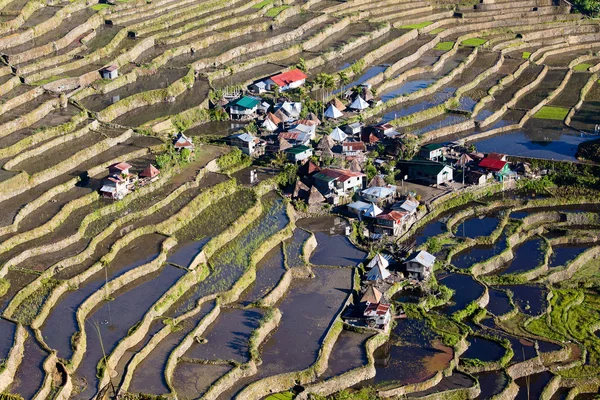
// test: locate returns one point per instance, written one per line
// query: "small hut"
(150, 174)
(359, 104)
(338, 104)
(338, 135)
(332, 112)
(371, 296)
(315, 197)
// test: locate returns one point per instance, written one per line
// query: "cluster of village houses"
(372, 309)
(121, 181)
(283, 130)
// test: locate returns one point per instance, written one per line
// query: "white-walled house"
(338, 181)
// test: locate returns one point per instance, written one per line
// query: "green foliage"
(229, 161)
(574, 315)
(434, 245)
(370, 170)
(589, 150)
(367, 393)
(30, 307)
(288, 175)
(281, 396)
(9, 396)
(590, 7)
(472, 362)
(535, 185)
(301, 65)
(526, 55)
(4, 286)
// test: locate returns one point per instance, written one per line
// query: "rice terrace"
(299, 199)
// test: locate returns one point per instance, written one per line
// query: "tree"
(288, 174)
(251, 127)
(301, 65)
(185, 156)
(276, 90)
(163, 160)
(371, 171)
(344, 80)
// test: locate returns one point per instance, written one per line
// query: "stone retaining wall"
(15, 356)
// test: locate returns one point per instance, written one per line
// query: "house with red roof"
(150, 174)
(353, 148)
(183, 142)
(494, 165)
(287, 80)
(390, 223)
(119, 181)
(338, 181)
(378, 315)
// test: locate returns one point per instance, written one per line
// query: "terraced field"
(195, 284)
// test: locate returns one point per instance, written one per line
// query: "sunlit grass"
(273, 12)
(420, 25)
(553, 113)
(474, 42)
(444, 46)
(582, 67)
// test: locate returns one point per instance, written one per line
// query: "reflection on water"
(561, 146)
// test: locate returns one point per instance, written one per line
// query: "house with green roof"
(243, 108)
(429, 172)
(299, 153)
(432, 152)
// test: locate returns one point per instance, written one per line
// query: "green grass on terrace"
(549, 112)
(526, 55)
(263, 3)
(474, 42)
(582, 67)
(420, 25)
(281, 396)
(436, 31)
(445, 46)
(273, 12)
(48, 80)
(98, 7)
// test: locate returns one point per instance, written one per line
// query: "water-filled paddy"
(114, 318)
(466, 290)
(61, 324)
(530, 299)
(473, 255)
(412, 355)
(483, 349)
(269, 271)
(148, 377)
(491, 383)
(499, 303)
(531, 387)
(562, 255)
(526, 256)
(348, 353)
(476, 226)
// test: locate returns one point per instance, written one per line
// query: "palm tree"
(344, 80)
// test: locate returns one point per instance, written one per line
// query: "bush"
(232, 159)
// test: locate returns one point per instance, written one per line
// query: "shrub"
(232, 159)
